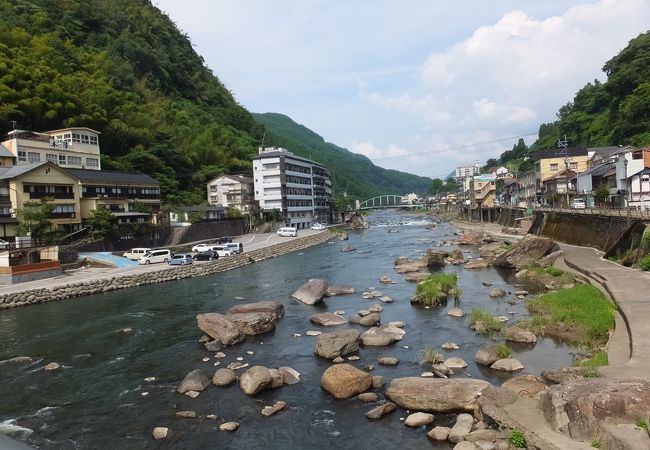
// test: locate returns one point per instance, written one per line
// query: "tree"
(601, 193)
(234, 212)
(436, 186)
(276, 215)
(34, 219)
(102, 223)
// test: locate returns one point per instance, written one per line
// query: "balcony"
(55, 195)
(64, 215)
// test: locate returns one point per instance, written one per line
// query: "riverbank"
(100, 281)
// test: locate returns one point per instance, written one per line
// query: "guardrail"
(611, 212)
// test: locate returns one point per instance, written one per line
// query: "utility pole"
(564, 145)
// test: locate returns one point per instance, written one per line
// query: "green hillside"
(351, 173)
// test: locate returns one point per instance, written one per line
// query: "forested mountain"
(615, 112)
(351, 173)
(123, 68)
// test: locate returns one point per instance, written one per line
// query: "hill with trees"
(123, 68)
(351, 173)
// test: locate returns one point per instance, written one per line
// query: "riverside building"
(298, 187)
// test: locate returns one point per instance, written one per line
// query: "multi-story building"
(232, 191)
(75, 147)
(300, 188)
(7, 159)
(483, 191)
(463, 172)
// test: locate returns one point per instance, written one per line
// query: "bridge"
(386, 201)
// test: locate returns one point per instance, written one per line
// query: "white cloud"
(372, 151)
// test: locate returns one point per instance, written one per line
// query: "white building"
(234, 191)
(463, 172)
(71, 148)
(300, 188)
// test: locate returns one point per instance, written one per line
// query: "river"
(100, 400)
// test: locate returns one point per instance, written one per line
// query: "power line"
(447, 149)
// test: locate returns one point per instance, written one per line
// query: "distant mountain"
(352, 173)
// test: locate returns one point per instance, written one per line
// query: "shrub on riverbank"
(597, 359)
(436, 288)
(580, 314)
(482, 321)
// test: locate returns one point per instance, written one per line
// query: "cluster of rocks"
(166, 273)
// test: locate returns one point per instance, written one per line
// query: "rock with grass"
(311, 292)
(507, 365)
(345, 381)
(340, 289)
(196, 380)
(381, 410)
(436, 394)
(219, 327)
(328, 319)
(340, 343)
(516, 334)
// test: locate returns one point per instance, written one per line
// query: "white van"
(222, 250)
(159, 255)
(287, 232)
(136, 253)
(236, 247)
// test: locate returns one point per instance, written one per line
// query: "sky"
(420, 86)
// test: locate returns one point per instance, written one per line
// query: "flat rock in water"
(52, 366)
(436, 394)
(187, 414)
(456, 312)
(270, 410)
(382, 335)
(439, 433)
(160, 433)
(385, 279)
(516, 334)
(213, 346)
(497, 292)
(386, 299)
(345, 381)
(328, 319)
(375, 309)
(455, 363)
(378, 382)
(311, 292)
(340, 343)
(387, 361)
(229, 426)
(18, 360)
(449, 346)
(313, 333)
(275, 308)
(340, 289)
(418, 419)
(196, 380)
(477, 264)
(381, 410)
(217, 326)
(367, 397)
(416, 277)
(507, 365)
(289, 375)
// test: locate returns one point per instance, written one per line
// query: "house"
(511, 192)
(589, 181)
(7, 159)
(553, 165)
(483, 192)
(232, 191)
(75, 147)
(560, 188)
(630, 173)
(184, 216)
(299, 188)
(499, 172)
(528, 189)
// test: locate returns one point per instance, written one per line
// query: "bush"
(436, 288)
(503, 351)
(517, 439)
(429, 356)
(482, 322)
(554, 271)
(644, 264)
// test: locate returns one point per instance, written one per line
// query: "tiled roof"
(7, 173)
(111, 176)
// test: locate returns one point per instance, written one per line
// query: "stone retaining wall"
(111, 283)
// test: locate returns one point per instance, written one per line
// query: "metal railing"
(630, 212)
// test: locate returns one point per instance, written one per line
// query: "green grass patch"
(582, 308)
(642, 424)
(436, 288)
(644, 264)
(503, 351)
(429, 356)
(517, 439)
(482, 321)
(554, 271)
(596, 443)
(597, 359)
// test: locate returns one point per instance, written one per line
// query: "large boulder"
(224, 377)
(492, 249)
(328, 319)
(345, 381)
(218, 326)
(340, 343)
(253, 323)
(487, 356)
(436, 394)
(526, 385)
(275, 308)
(358, 222)
(196, 380)
(311, 292)
(340, 289)
(469, 238)
(435, 258)
(507, 365)
(382, 335)
(528, 250)
(516, 334)
(579, 409)
(256, 379)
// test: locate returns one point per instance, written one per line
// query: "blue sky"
(388, 78)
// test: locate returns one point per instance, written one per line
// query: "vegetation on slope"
(352, 173)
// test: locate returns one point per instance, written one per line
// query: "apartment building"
(75, 147)
(483, 191)
(232, 191)
(300, 188)
(463, 172)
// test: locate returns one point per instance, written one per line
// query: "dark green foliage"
(517, 439)
(34, 219)
(351, 173)
(436, 288)
(102, 223)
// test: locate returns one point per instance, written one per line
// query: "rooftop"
(559, 153)
(112, 176)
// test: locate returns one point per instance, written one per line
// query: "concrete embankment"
(166, 273)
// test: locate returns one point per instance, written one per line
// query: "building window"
(61, 159)
(74, 160)
(63, 209)
(92, 162)
(93, 140)
(554, 166)
(51, 157)
(33, 157)
(573, 165)
(22, 156)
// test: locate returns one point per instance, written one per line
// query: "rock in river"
(340, 289)
(256, 379)
(461, 428)
(311, 292)
(487, 356)
(340, 343)
(382, 335)
(224, 377)
(275, 308)
(497, 292)
(219, 327)
(328, 319)
(345, 381)
(196, 380)
(436, 394)
(516, 334)
(381, 410)
(507, 365)
(418, 419)
(456, 312)
(253, 323)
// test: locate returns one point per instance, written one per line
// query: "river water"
(99, 400)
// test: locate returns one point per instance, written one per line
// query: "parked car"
(202, 247)
(236, 247)
(136, 253)
(4, 244)
(318, 226)
(224, 240)
(159, 255)
(207, 255)
(222, 250)
(578, 203)
(287, 232)
(181, 259)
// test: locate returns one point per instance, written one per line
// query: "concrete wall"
(589, 230)
(507, 216)
(167, 273)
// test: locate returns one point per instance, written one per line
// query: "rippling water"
(99, 400)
